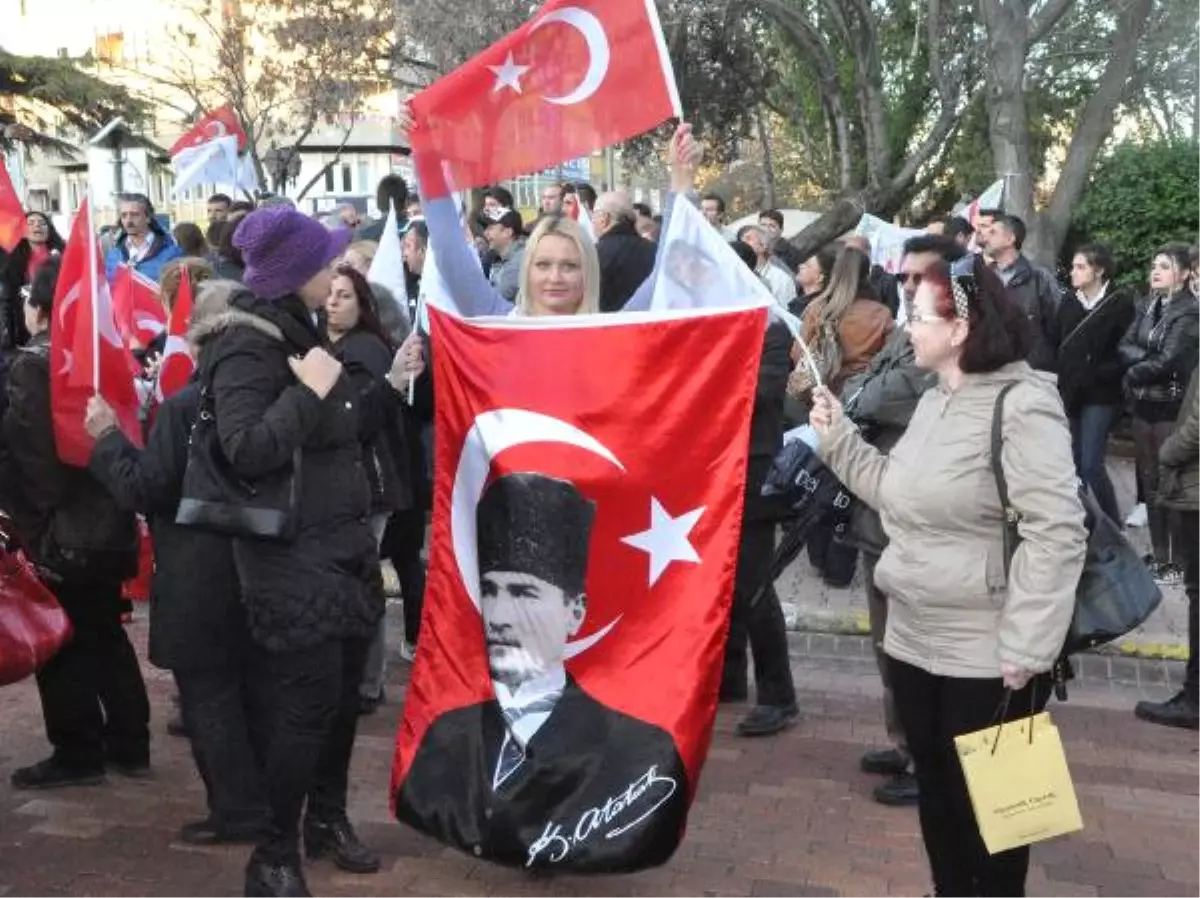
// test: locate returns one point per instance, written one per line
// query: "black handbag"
(1116, 591)
(216, 499)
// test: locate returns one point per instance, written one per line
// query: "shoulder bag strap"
(1012, 537)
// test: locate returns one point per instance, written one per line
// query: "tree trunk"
(833, 224)
(1093, 129)
(768, 164)
(1008, 128)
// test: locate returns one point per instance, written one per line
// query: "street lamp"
(283, 167)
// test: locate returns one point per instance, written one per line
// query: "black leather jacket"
(1159, 351)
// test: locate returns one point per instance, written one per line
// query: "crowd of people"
(312, 382)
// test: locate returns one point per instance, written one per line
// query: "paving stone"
(790, 815)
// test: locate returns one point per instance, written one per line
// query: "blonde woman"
(560, 272)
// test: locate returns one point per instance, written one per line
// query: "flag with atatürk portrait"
(587, 509)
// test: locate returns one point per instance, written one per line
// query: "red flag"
(137, 304)
(177, 365)
(587, 517)
(12, 216)
(86, 352)
(221, 122)
(580, 75)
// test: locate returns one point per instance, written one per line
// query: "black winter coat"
(766, 423)
(1089, 363)
(69, 523)
(367, 360)
(325, 584)
(1036, 291)
(626, 260)
(197, 620)
(1159, 351)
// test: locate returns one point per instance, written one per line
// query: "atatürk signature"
(611, 818)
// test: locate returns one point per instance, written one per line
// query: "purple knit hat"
(284, 249)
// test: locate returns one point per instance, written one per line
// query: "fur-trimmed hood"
(215, 325)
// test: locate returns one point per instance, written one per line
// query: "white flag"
(387, 268)
(214, 162)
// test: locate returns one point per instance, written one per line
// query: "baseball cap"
(510, 218)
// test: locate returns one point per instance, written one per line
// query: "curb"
(1102, 665)
(857, 624)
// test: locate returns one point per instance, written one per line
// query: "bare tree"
(1014, 28)
(285, 66)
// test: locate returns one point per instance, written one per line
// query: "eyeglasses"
(924, 319)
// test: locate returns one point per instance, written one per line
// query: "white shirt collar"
(547, 687)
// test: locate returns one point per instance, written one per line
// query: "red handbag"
(33, 626)
(137, 588)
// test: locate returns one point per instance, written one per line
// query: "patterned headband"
(962, 309)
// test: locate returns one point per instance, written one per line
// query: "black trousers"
(760, 625)
(933, 710)
(93, 696)
(402, 543)
(226, 714)
(313, 694)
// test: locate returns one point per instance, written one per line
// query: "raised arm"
(458, 263)
(683, 155)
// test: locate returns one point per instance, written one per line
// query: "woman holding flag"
(560, 272)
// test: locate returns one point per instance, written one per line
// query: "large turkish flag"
(588, 498)
(578, 76)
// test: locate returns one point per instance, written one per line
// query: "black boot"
(1178, 711)
(264, 877)
(767, 720)
(337, 838)
(54, 774)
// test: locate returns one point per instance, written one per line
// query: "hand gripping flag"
(87, 355)
(585, 534)
(137, 305)
(578, 76)
(177, 365)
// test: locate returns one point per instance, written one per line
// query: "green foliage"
(85, 101)
(1140, 197)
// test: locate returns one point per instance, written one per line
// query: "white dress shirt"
(545, 688)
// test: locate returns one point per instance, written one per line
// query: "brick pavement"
(784, 816)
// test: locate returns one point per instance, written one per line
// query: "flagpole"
(95, 285)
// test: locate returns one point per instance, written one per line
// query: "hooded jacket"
(952, 609)
(163, 251)
(325, 584)
(66, 519)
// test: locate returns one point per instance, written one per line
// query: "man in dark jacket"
(1031, 286)
(391, 191)
(759, 621)
(626, 259)
(93, 696)
(882, 400)
(197, 621)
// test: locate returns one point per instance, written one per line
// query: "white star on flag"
(508, 75)
(666, 540)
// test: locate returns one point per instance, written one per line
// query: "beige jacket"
(951, 612)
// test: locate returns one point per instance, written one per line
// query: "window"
(364, 176)
(329, 179)
(347, 183)
(110, 48)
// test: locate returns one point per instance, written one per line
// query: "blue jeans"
(1089, 443)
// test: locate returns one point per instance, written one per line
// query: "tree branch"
(1095, 123)
(1046, 18)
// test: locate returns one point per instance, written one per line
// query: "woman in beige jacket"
(960, 631)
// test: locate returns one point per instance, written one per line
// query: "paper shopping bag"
(1019, 783)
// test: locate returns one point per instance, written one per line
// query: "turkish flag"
(82, 324)
(177, 365)
(586, 522)
(221, 122)
(12, 216)
(580, 75)
(137, 304)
